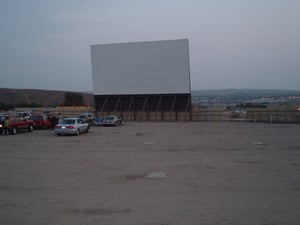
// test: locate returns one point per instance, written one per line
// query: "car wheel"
(30, 128)
(87, 129)
(77, 132)
(14, 130)
(58, 134)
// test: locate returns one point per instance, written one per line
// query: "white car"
(26, 115)
(112, 120)
(73, 126)
(87, 117)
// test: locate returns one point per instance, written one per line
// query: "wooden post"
(129, 108)
(157, 108)
(144, 105)
(102, 107)
(187, 109)
(173, 106)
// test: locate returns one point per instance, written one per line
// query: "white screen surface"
(157, 67)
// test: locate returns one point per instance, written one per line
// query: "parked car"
(112, 120)
(26, 115)
(73, 126)
(53, 120)
(98, 121)
(18, 123)
(40, 120)
(87, 117)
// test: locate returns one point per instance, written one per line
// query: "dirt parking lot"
(194, 173)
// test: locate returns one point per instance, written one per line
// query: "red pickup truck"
(18, 123)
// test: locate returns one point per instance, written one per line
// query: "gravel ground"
(194, 173)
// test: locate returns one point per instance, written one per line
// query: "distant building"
(141, 78)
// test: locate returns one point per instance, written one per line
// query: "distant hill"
(249, 93)
(56, 98)
(43, 97)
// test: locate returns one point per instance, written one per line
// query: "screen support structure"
(145, 107)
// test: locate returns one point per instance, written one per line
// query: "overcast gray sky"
(233, 43)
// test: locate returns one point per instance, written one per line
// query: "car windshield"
(109, 118)
(68, 121)
(35, 117)
(2, 118)
(82, 116)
